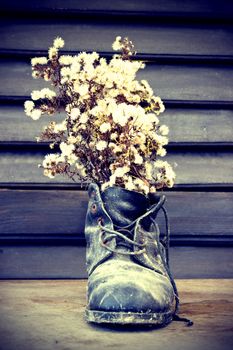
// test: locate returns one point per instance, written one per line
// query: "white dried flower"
(28, 107)
(166, 174)
(39, 60)
(95, 56)
(114, 136)
(117, 45)
(115, 148)
(66, 60)
(79, 138)
(138, 159)
(35, 95)
(157, 101)
(49, 159)
(164, 130)
(52, 53)
(161, 152)
(105, 127)
(71, 139)
(35, 74)
(47, 93)
(60, 127)
(75, 68)
(74, 113)
(112, 180)
(44, 93)
(49, 173)
(160, 140)
(104, 186)
(83, 118)
(71, 159)
(101, 145)
(58, 43)
(82, 127)
(142, 186)
(65, 72)
(147, 87)
(121, 171)
(152, 189)
(129, 183)
(120, 115)
(82, 90)
(36, 114)
(66, 149)
(152, 118)
(81, 169)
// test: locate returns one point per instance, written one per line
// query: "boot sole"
(128, 317)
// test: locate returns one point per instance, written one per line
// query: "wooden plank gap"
(31, 146)
(72, 240)
(204, 187)
(25, 55)
(221, 17)
(186, 104)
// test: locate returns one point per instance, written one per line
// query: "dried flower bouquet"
(111, 133)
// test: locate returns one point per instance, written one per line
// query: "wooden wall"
(189, 49)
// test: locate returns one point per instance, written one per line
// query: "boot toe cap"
(125, 287)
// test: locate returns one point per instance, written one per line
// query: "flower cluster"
(111, 132)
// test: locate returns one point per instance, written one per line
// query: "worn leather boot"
(129, 279)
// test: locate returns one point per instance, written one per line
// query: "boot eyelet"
(93, 208)
(100, 221)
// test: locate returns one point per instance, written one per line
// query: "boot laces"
(123, 233)
(121, 238)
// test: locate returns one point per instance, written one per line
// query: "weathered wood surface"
(190, 167)
(64, 261)
(195, 125)
(170, 8)
(153, 38)
(62, 212)
(50, 315)
(175, 82)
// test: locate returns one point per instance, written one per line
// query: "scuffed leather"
(124, 206)
(95, 253)
(117, 282)
(116, 206)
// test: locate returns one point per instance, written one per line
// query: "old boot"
(129, 279)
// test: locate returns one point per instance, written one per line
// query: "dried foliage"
(111, 133)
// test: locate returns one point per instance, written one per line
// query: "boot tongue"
(124, 206)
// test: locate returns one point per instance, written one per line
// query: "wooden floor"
(48, 314)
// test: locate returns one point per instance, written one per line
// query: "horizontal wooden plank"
(62, 212)
(168, 81)
(69, 262)
(194, 214)
(32, 262)
(186, 125)
(207, 8)
(151, 38)
(190, 167)
(199, 125)
(53, 313)
(16, 126)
